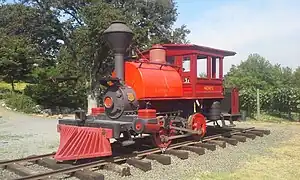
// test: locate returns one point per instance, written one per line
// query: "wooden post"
(221, 67)
(213, 67)
(209, 67)
(257, 103)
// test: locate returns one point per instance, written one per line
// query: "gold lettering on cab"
(208, 88)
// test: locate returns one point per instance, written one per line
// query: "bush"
(21, 102)
(52, 95)
(273, 101)
(4, 92)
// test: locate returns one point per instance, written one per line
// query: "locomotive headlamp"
(118, 37)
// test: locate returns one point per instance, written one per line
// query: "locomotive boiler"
(152, 95)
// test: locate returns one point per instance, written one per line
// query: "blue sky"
(268, 27)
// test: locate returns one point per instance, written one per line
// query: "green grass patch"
(20, 86)
(268, 118)
(283, 162)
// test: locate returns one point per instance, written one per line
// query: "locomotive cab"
(201, 71)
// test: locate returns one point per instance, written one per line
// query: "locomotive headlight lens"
(108, 102)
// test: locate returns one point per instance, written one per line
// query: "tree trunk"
(12, 86)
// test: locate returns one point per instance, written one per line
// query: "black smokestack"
(119, 37)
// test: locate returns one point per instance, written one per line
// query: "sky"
(270, 28)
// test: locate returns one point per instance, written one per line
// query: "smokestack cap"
(118, 36)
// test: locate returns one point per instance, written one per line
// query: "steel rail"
(124, 157)
(30, 158)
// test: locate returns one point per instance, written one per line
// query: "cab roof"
(185, 49)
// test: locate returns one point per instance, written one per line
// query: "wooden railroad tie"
(229, 140)
(198, 150)
(239, 138)
(165, 160)
(178, 153)
(257, 133)
(81, 174)
(120, 169)
(222, 144)
(19, 169)
(248, 135)
(141, 164)
(208, 146)
(266, 132)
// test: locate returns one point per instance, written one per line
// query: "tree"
(17, 58)
(296, 77)
(151, 21)
(38, 26)
(255, 72)
(279, 90)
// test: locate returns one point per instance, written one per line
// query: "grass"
(282, 163)
(269, 118)
(18, 86)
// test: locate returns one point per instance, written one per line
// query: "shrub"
(274, 101)
(21, 102)
(4, 92)
(51, 95)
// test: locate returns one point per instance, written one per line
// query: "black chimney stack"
(119, 37)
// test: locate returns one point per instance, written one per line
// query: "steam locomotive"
(152, 95)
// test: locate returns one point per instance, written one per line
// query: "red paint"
(152, 128)
(138, 126)
(108, 102)
(198, 123)
(186, 49)
(207, 96)
(163, 132)
(208, 67)
(234, 101)
(83, 142)
(193, 73)
(149, 114)
(153, 81)
(158, 82)
(98, 110)
(221, 67)
(146, 113)
(213, 67)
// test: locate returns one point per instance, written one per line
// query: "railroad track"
(137, 159)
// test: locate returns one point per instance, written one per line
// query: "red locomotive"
(153, 95)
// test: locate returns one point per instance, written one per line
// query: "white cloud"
(270, 28)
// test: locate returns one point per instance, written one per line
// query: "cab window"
(186, 64)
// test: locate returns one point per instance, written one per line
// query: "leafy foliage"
(40, 28)
(84, 47)
(21, 102)
(50, 95)
(279, 88)
(51, 90)
(17, 58)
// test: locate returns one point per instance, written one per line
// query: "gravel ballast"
(23, 135)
